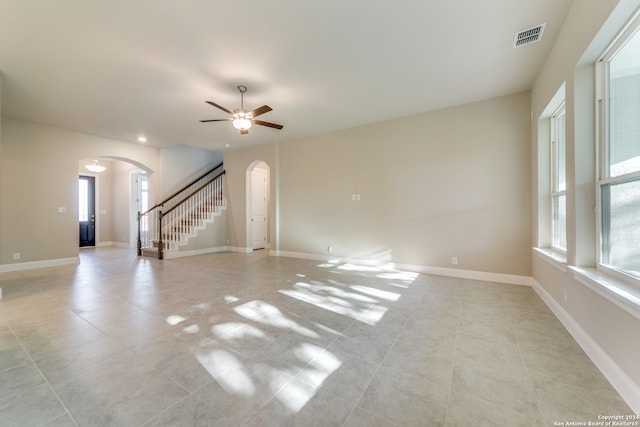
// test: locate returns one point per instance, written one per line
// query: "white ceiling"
(123, 68)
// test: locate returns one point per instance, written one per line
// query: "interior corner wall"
(236, 163)
(588, 28)
(1, 189)
(182, 163)
(41, 163)
(105, 207)
(416, 191)
(121, 213)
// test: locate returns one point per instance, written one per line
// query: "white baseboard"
(243, 250)
(19, 266)
(511, 279)
(302, 255)
(625, 386)
(440, 271)
(114, 244)
(183, 254)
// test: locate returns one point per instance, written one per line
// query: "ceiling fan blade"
(220, 107)
(244, 131)
(260, 110)
(217, 120)
(271, 125)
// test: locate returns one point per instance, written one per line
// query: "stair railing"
(180, 220)
(149, 221)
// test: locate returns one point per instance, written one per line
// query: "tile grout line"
(293, 377)
(453, 364)
(369, 384)
(524, 362)
(68, 412)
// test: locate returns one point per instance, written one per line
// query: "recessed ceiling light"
(227, 145)
(142, 139)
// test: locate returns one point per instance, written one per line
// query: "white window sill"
(622, 294)
(554, 258)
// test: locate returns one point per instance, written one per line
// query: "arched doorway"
(258, 174)
(117, 196)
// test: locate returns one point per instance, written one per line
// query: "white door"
(259, 208)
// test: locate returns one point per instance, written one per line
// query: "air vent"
(528, 36)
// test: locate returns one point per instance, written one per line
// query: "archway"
(257, 205)
(119, 192)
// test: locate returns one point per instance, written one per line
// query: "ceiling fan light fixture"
(241, 118)
(242, 124)
(95, 167)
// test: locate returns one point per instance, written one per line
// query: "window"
(619, 182)
(83, 200)
(558, 181)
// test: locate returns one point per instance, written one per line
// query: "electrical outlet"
(329, 249)
(16, 256)
(454, 260)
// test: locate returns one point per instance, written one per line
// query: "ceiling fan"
(241, 118)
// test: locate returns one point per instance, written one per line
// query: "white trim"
(121, 245)
(242, 250)
(38, 264)
(557, 259)
(301, 255)
(624, 385)
(511, 279)
(115, 244)
(182, 254)
(625, 296)
(442, 271)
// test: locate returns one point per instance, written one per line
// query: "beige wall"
(214, 236)
(41, 165)
(588, 28)
(104, 199)
(183, 163)
(121, 216)
(236, 164)
(454, 182)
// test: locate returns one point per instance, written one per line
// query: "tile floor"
(234, 339)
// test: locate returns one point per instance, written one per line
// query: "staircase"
(170, 224)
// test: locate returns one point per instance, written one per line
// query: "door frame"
(259, 164)
(96, 228)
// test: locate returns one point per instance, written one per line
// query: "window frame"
(602, 153)
(555, 192)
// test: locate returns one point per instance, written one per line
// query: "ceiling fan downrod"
(242, 89)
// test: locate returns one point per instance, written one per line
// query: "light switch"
(62, 209)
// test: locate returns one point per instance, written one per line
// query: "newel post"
(160, 242)
(139, 237)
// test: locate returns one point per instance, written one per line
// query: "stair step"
(150, 252)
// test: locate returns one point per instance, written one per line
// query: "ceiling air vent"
(528, 36)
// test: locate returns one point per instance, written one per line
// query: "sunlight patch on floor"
(338, 305)
(175, 319)
(406, 276)
(323, 364)
(386, 295)
(270, 315)
(230, 373)
(243, 332)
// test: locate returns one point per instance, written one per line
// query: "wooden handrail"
(196, 191)
(182, 189)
